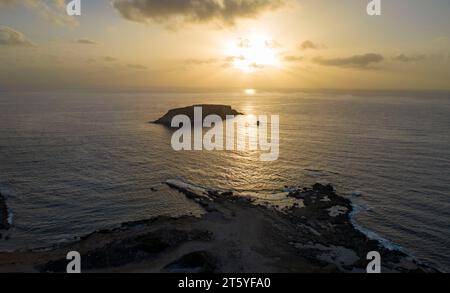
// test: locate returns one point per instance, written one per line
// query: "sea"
(73, 163)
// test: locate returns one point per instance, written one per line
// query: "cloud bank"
(356, 61)
(86, 42)
(51, 10)
(11, 37)
(309, 45)
(225, 12)
(292, 58)
(407, 59)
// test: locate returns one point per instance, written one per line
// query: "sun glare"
(253, 53)
(250, 92)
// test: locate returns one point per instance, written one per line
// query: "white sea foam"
(313, 173)
(279, 198)
(358, 208)
(201, 191)
(10, 217)
(289, 189)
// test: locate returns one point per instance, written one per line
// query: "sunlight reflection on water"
(74, 163)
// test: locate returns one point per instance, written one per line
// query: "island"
(234, 234)
(221, 110)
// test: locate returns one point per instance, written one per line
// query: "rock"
(220, 110)
(321, 235)
(244, 200)
(4, 224)
(208, 205)
(227, 193)
(324, 189)
(357, 193)
(195, 262)
(129, 250)
(213, 193)
(337, 211)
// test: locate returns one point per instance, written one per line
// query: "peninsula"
(235, 234)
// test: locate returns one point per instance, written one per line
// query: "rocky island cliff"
(220, 110)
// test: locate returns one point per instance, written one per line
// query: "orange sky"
(123, 44)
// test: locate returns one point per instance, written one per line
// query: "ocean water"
(74, 163)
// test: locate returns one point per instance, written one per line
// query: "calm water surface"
(74, 163)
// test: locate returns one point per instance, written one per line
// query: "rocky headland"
(235, 234)
(221, 110)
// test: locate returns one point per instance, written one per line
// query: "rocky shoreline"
(235, 234)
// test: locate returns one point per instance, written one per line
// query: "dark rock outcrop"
(237, 235)
(133, 249)
(221, 110)
(4, 224)
(194, 262)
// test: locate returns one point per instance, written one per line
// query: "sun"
(253, 53)
(250, 92)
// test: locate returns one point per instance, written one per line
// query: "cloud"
(137, 66)
(207, 61)
(356, 61)
(51, 10)
(216, 62)
(247, 43)
(11, 37)
(86, 42)
(226, 12)
(109, 59)
(293, 58)
(411, 58)
(309, 45)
